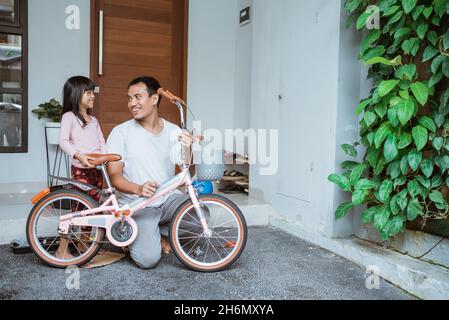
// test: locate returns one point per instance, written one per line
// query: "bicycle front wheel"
(208, 252)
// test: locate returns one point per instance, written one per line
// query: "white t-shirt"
(146, 156)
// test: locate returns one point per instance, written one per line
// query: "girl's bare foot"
(165, 245)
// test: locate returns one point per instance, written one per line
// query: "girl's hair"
(73, 92)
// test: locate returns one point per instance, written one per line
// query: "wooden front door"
(133, 38)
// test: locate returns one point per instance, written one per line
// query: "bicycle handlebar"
(170, 96)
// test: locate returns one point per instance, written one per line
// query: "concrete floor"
(273, 266)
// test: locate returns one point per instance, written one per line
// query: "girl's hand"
(84, 160)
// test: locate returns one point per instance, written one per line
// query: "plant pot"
(438, 228)
(52, 132)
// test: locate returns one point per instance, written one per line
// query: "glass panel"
(8, 12)
(10, 120)
(10, 61)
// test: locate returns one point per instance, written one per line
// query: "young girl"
(80, 135)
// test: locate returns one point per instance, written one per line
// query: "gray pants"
(151, 223)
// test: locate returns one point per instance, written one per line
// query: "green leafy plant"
(404, 124)
(50, 110)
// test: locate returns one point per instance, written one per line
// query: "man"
(149, 148)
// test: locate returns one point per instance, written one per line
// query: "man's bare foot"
(165, 245)
(63, 254)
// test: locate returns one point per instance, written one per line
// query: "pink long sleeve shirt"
(74, 138)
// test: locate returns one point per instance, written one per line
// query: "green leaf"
(402, 32)
(390, 148)
(427, 167)
(414, 159)
(349, 165)
(386, 86)
(343, 209)
(436, 63)
(433, 38)
(341, 181)
(444, 163)
(407, 71)
(394, 207)
(413, 187)
(436, 78)
(372, 36)
(394, 169)
(414, 209)
(374, 52)
(381, 134)
(424, 182)
(410, 45)
(428, 123)
(437, 181)
(405, 111)
(417, 12)
(361, 107)
(395, 17)
(358, 197)
(367, 216)
(445, 68)
(405, 166)
(392, 115)
(446, 40)
(427, 12)
(369, 117)
(363, 18)
(356, 173)
(422, 30)
(420, 91)
(438, 143)
(349, 150)
(389, 11)
(381, 109)
(429, 53)
(385, 190)
(408, 5)
(420, 136)
(352, 5)
(440, 6)
(381, 217)
(372, 156)
(396, 225)
(394, 62)
(404, 140)
(365, 184)
(402, 199)
(437, 197)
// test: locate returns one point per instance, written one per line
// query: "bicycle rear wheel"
(217, 251)
(79, 246)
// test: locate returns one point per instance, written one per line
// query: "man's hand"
(186, 138)
(147, 189)
(84, 160)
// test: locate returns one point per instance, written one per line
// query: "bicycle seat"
(103, 158)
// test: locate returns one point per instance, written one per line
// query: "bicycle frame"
(93, 218)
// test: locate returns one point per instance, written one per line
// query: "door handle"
(100, 42)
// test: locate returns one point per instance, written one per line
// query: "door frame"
(181, 23)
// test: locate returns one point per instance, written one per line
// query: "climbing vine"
(404, 124)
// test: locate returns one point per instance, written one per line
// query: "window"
(13, 76)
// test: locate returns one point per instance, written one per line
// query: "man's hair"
(151, 83)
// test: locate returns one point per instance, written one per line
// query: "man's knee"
(147, 260)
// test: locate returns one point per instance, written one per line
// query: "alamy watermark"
(373, 279)
(72, 21)
(72, 282)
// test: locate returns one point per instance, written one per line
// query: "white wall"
(55, 54)
(211, 63)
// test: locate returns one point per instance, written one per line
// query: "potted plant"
(50, 110)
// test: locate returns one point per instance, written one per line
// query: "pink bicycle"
(207, 233)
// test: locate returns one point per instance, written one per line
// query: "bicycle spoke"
(216, 251)
(193, 246)
(46, 250)
(190, 241)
